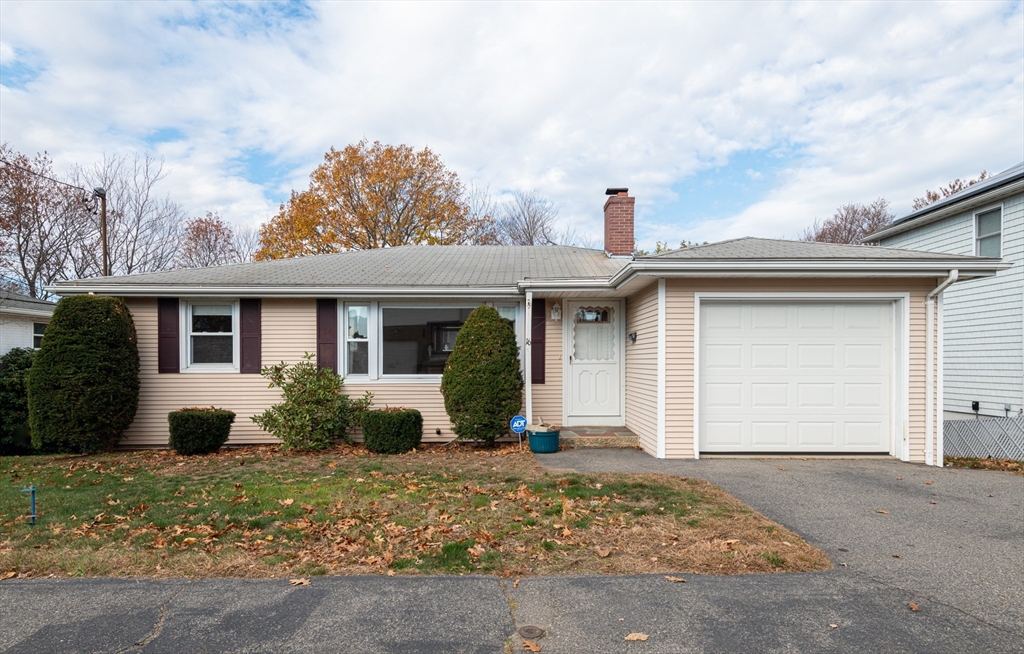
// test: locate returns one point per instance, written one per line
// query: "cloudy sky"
(723, 119)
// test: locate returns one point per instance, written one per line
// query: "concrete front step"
(576, 438)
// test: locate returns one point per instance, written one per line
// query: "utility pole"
(101, 193)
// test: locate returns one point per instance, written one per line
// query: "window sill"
(392, 379)
(210, 368)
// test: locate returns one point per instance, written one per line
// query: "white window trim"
(974, 228)
(34, 334)
(900, 424)
(376, 334)
(185, 337)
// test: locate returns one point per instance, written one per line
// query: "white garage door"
(795, 377)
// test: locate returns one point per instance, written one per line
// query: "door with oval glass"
(593, 389)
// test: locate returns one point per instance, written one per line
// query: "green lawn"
(256, 512)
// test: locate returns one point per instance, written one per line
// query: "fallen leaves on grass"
(637, 636)
(603, 552)
(299, 582)
(8, 575)
(678, 580)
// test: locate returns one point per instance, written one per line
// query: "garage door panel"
(796, 376)
(769, 356)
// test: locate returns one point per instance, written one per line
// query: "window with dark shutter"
(250, 335)
(168, 323)
(327, 334)
(537, 341)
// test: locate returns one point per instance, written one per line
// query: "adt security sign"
(518, 424)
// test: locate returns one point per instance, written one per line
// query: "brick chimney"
(618, 222)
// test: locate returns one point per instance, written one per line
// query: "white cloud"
(876, 99)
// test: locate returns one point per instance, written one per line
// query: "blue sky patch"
(21, 72)
(722, 191)
(242, 19)
(165, 135)
(264, 169)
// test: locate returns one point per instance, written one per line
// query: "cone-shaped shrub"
(83, 388)
(482, 385)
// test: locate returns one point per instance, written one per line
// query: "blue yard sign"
(518, 424)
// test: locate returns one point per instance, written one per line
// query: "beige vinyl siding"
(289, 330)
(680, 333)
(642, 367)
(547, 397)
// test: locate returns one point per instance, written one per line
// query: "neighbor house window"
(212, 334)
(989, 233)
(357, 339)
(37, 334)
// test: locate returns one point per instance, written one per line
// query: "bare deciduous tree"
(246, 243)
(39, 216)
(955, 186)
(850, 223)
(143, 228)
(527, 219)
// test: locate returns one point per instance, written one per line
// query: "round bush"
(199, 430)
(482, 385)
(14, 432)
(392, 431)
(83, 388)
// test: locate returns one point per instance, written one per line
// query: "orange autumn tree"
(374, 196)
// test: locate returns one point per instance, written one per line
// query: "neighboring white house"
(23, 320)
(984, 318)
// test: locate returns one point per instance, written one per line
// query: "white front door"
(593, 354)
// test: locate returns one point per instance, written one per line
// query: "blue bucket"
(543, 442)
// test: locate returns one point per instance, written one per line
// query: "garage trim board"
(899, 357)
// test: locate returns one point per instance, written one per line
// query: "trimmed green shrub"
(14, 433)
(199, 430)
(482, 385)
(314, 412)
(83, 388)
(392, 431)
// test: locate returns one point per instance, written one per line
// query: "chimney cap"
(616, 191)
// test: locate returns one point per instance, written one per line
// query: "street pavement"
(961, 561)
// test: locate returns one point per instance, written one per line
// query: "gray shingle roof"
(749, 248)
(11, 300)
(411, 265)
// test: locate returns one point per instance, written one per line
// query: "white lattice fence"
(999, 438)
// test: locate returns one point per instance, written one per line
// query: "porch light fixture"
(556, 312)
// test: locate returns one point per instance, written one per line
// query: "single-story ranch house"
(740, 347)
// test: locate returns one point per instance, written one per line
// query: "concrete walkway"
(965, 576)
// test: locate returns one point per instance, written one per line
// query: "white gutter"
(178, 290)
(34, 313)
(930, 363)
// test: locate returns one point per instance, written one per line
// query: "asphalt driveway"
(961, 560)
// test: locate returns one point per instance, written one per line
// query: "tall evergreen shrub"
(14, 433)
(83, 388)
(482, 385)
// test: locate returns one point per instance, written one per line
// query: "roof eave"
(32, 313)
(180, 290)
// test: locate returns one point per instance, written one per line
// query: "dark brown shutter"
(327, 334)
(537, 340)
(250, 335)
(167, 326)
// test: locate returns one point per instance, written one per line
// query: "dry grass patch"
(254, 512)
(1005, 465)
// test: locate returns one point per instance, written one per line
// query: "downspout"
(930, 364)
(528, 358)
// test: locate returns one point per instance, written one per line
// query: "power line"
(32, 172)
